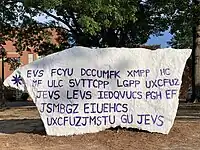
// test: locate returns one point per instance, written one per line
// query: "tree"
(8, 19)
(196, 52)
(127, 23)
(102, 23)
(181, 18)
(96, 23)
(15, 21)
(185, 26)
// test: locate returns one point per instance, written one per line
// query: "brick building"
(25, 58)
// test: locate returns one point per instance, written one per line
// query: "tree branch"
(75, 22)
(57, 18)
(12, 2)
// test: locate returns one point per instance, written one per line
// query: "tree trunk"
(197, 64)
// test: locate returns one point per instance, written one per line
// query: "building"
(25, 58)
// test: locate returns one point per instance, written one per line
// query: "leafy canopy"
(95, 23)
(102, 23)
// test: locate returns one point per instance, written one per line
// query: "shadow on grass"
(12, 126)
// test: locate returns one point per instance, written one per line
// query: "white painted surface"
(77, 113)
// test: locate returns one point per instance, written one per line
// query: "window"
(30, 58)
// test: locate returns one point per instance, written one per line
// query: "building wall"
(11, 53)
(25, 57)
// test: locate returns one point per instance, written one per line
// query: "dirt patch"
(22, 129)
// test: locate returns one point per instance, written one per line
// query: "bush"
(24, 96)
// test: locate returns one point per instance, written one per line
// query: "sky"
(160, 40)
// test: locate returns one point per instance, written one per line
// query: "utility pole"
(196, 53)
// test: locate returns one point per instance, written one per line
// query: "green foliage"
(8, 18)
(13, 62)
(95, 23)
(182, 23)
(42, 3)
(103, 23)
(182, 16)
